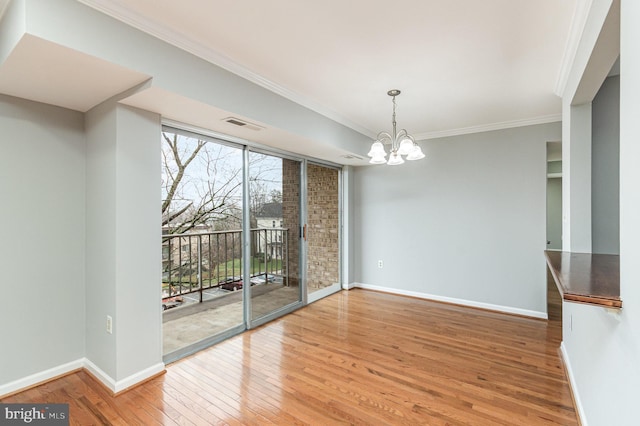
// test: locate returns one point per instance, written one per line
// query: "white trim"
(349, 286)
(127, 382)
(42, 376)
(139, 377)
(97, 372)
(323, 292)
(346, 215)
(82, 363)
(578, 23)
(574, 386)
(463, 302)
(553, 118)
(178, 40)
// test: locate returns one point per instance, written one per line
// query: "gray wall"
(101, 235)
(138, 315)
(123, 240)
(605, 168)
(81, 240)
(42, 259)
(468, 222)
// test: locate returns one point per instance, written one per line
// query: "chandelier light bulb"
(376, 149)
(406, 146)
(378, 159)
(395, 159)
(415, 154)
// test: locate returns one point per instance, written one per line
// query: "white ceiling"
(462, 65)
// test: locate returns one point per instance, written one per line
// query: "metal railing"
(197, 263)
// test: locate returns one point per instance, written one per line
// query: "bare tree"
(201, 183)
(275, 195)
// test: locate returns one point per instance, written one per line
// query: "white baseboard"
(348, 286)
(463, 302)
(40, 377)
(127, 382)
(140, 376)
(574, 386)
(98, 373)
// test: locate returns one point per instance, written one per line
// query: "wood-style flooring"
(357, 357)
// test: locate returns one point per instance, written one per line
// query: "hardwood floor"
(357, 357)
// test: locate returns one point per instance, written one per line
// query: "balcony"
(202, 281)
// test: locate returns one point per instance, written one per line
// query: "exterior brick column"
(291, 217)
(323, 227)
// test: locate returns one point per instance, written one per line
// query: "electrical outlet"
(380, 265)
(109, 324)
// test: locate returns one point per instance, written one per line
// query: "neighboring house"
(270, 235)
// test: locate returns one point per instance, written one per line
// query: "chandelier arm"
(384, 137)
(403, 134)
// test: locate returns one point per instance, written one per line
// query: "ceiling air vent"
(352, 157)
(242, 123)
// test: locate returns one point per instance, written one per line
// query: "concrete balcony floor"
(220, 311)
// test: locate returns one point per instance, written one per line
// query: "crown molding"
(489, 127)
(121, 13)
(578, 23)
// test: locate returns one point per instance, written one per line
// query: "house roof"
(270, 210)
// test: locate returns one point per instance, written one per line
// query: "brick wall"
(322, 220)
(291, 216)
(323, 227)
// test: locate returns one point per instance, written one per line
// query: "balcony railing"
(204, 264)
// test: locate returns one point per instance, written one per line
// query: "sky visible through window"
(209, 180)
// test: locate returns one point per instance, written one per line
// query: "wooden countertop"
(586, 277)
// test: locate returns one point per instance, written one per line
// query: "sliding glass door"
(274, 200)
(201, 242)
(248, 235)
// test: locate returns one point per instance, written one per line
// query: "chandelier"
(402, 143)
